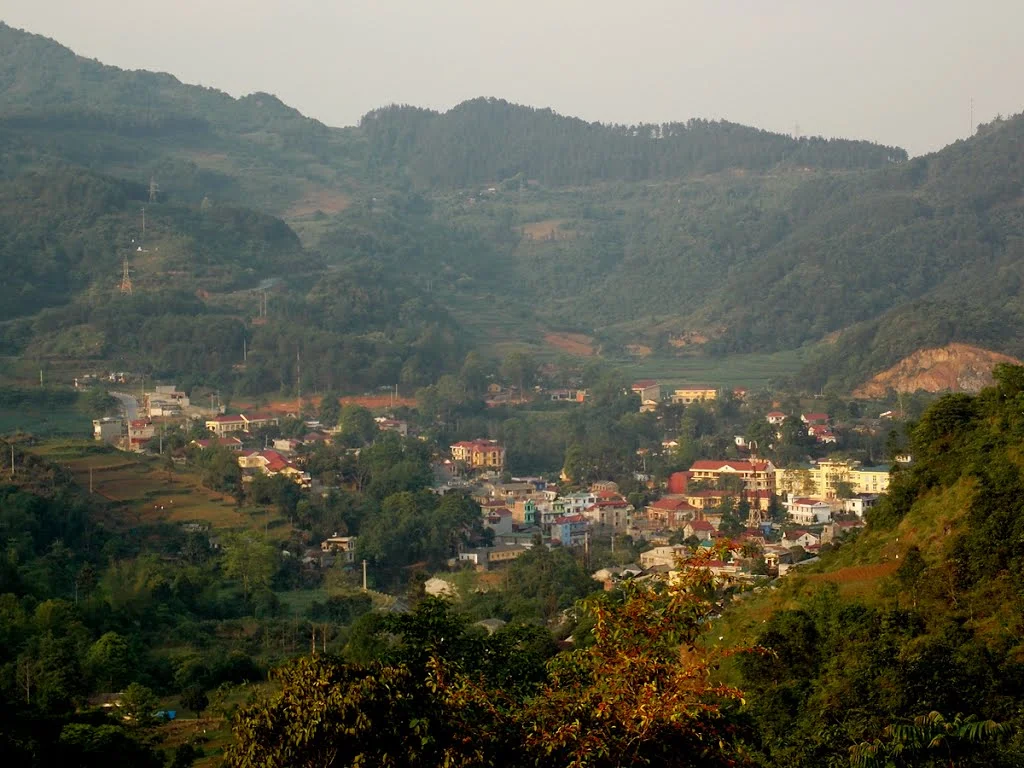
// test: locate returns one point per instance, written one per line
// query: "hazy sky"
(896, 71)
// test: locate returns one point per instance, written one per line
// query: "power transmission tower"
(154, 189)
(126, 278)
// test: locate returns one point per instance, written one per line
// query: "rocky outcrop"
(952, 368)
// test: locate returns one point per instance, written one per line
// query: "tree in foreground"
(931, 740)
(641, 694)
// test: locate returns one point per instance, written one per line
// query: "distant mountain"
(490, 141)
(59, 107)
(521, 220)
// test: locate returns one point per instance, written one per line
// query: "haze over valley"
(483, 434)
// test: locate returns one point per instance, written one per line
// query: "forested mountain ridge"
(491, 140)
(66, 232)
(256, 151)
(740, 239)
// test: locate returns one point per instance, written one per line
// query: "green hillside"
(64, 235)
(920, 613)
(490, 140)
(701, 239)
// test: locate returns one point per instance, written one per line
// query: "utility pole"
(40, 377)
(298, 384)
(364, 575)
(90, 481)
(12, 459)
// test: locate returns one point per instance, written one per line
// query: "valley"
(491, 436)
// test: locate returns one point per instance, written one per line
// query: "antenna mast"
(126, 278)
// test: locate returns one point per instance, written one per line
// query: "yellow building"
(753, 475)
(687, 395)
(821, 480)
(479, 454)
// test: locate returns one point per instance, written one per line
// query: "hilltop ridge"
(634, 236)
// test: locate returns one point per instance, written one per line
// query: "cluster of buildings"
(524, 511)
(652, 394)
(126, 434)
(818, 425)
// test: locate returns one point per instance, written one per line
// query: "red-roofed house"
(670, 512)
(702, 529)
(616, 513)
(648, 389)
(822, 433)
(140, 432)
(756, 475)
(272, 463)
(814, 418)
(775, 417)
(498, 519)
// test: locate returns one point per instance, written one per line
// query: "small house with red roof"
(775, 417)
(647, 389)
(822, 433)
(670, 511)
(613, 512)
(271, 463)
(498, 519)
(701, 528)
(814, 418)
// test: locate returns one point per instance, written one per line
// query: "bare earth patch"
(577, 344)
(549, 229)
(952, 368)
(319, 198)
(689, 339)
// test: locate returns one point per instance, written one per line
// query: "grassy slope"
(140, 494)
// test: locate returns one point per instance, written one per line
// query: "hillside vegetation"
(700, 238)
(936, 628)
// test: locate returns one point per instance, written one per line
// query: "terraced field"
(143, 492)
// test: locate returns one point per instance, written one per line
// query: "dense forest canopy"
(491, 140)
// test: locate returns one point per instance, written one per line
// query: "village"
(745, 517)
